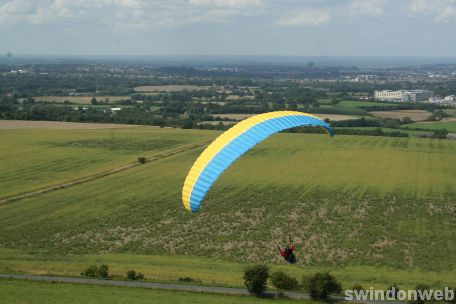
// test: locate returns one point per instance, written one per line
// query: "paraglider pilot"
(287, 253)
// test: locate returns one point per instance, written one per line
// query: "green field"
(449, 126)
(23, 292)
(411, 133)
(451, 112)
(362, 206)
(363, 104)
(352, 107)
(32, 159)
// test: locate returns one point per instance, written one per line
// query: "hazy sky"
(229, 27)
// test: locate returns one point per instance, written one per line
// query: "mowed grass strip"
(26, 292)
(34, 159)
(209, 271)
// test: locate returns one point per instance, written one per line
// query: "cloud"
(226, 3)
(371, 8)
(442, 10)
(304, 17)
(12, 11)
(126, 13)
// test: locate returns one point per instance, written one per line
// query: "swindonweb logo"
(392, 294)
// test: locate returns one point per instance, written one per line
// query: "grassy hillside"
(32, 159)
(348, 201)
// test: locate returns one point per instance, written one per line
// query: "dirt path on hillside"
(8, 199)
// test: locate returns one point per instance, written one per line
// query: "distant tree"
(188, 124)
(406, 120)
(188, 279)
(94, 101)
(321, 285)
(91, 271)
(293, 107)
(103, 271)
(282, 281)
(132, 275)
(255, 279)
(440, 134)
(142, 160)
(94, 271)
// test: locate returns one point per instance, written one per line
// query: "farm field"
(449, 126)
(451, 112)
(233, 116)
(337, 109)
(363, 104)
(349, 107)
(80, 99)
(353, 103)
(351, 203)
(415, 115)
(217, 122)
(36, 158)
(409, 132)
(334, 117)
(25, 292)
(448, 119)
(58, 125)
(170, 88)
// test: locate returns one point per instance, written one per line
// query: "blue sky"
(229, 27)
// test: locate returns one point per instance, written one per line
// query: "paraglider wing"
(229, 146)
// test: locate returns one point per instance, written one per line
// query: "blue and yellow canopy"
(233, 143)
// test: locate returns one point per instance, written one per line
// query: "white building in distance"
(450, 98)
(362, 78)
(447, 101)
(403, 95)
